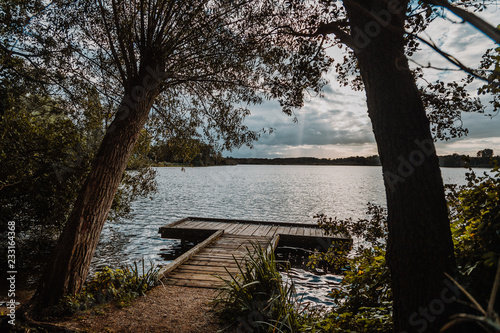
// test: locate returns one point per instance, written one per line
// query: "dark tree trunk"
(419, 248)
(67, 269)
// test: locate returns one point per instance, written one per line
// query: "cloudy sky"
(338, 125)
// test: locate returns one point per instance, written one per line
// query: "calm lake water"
(255, 192)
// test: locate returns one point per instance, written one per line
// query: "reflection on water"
(255, 192)
(176, 249)
(108, 253)
(112, 243)
(314, 289)
(312, 284)
(297, 257)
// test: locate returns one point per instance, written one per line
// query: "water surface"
(255, 192)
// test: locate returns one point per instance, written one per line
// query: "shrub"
(45, 155)
(120, 286)
(475, 222)
(258, 299)
(364, 301)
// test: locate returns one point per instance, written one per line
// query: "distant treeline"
(356, 160)
(454, 160)
(457, 160)
(194, 152)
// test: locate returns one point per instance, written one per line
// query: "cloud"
(337, 125)
(319, 151)
(338, 118)
(469, 146)
(461, 40)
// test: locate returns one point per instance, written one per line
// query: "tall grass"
(487, 319)
(120, 286)
(258, 300)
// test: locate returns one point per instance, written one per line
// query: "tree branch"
(446, 69)
(471, 18)
(122, 38)
(327, 29)
(452, 59)
(111, 45)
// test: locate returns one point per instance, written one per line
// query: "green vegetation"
(119, 287)
(475, 213)
(363, 303)
(487, 319)
(188, 151)
(43, 157)
(195, 67)
(484, 159)
(45, 153)
(364, 300)
(357, 160)
(258, 300)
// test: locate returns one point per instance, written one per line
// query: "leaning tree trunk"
(68, 267)
(419, 247)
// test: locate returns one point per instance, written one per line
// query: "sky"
(337, 125)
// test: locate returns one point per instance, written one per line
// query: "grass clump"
(117, 286)
(258, 300)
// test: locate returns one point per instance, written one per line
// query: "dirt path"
(163, 309)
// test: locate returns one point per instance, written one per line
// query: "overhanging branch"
(326, 29)
(471, 18)
(452, 59)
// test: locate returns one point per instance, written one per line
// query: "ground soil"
(163, 309)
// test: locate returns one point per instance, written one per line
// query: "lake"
(282, 193)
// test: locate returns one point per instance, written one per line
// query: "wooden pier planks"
(202, 268)
(195, 225)
(226, 240)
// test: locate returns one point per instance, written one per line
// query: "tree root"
(25, 314)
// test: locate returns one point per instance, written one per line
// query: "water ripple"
(255, 192)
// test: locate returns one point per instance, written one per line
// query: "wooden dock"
(225, 240)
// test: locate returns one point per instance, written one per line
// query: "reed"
(258, 300)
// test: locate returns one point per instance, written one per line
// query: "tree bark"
(419, 247)
(69, 266)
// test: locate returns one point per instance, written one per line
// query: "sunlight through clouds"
(338, 125)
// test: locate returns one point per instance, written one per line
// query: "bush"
(258, 299)
(120, 286)
(475, 222)
(364, 301)
(46, 153)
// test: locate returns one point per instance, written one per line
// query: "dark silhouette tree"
(485, 153)
(156, 60)
(378, 37)
(201, 57)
